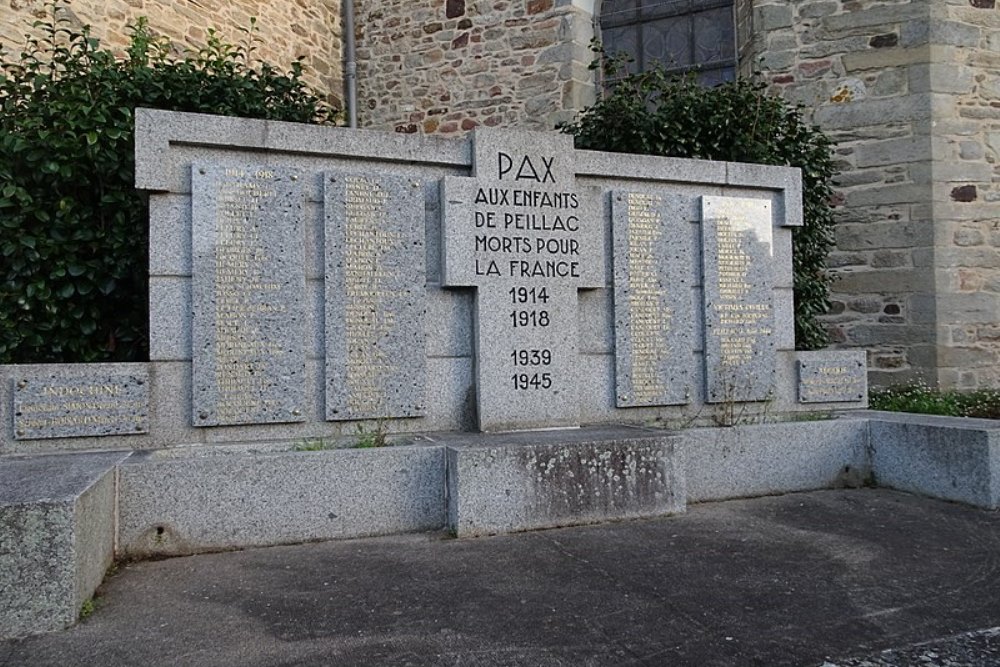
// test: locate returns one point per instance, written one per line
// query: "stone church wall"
(446, 67)
(908, 93)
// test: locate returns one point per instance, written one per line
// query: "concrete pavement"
(833, 577)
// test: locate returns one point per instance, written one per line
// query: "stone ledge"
(58, 512)
(950, 458)
(56, 538)
(174, 505)
(764, 459)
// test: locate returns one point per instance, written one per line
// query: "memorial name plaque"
(375, 296)
(516, 231)
(832, 376)
(47, 405)
(740, 358)
(654, 317)
(248, 332)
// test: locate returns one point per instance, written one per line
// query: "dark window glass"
(678, 35)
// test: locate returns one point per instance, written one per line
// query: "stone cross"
(520, 232)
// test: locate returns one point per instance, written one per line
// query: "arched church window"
(679, 35)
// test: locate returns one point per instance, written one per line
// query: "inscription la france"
(502, 228)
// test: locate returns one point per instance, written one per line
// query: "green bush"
(73, 255)
(652, 113)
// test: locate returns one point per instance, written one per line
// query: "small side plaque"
(832, 377)
(47, 405)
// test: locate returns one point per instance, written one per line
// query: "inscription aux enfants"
(524, 211)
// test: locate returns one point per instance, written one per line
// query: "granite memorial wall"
(308, 280)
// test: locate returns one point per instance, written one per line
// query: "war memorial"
(540, 336)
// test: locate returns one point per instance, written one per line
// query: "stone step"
(57, 536)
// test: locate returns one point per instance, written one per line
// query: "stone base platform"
(522, 481)
(64, 517)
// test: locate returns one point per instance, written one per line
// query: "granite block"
(760, 459)
(157, 162)
(449, 322)
(170, 405)
(781, 260)
(172, 506)
(373, 145)
(83, 400)
(315, 319)
(452, 380)
(433, 202)
(784, 319)
(248, 295)
(57, 524)
(839, 376)
(169, 235)
(315, 248)
(950, 458)
(376, 301)
(654, 317)
(786, 180)
(595, 321)
(650, 168)
(170, 316)
(515, 232)
(738, 299)
(524, 481)
(597, 396)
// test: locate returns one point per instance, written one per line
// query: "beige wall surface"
(288, 29)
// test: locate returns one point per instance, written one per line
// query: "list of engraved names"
(248, 286)
(741, 321)
(650, 320)
(367, 317)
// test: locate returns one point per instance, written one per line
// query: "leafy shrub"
(73, 255)
(654, 114)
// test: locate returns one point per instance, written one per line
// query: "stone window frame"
(661, 9)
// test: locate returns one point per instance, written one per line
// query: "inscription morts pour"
(738, 285)
(248, 332)
(654, 315)
(516, 232)
(375, 296)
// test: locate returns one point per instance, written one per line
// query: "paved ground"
(846, 578)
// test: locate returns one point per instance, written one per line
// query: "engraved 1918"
(529, 296)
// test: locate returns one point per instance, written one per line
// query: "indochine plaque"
(832, 376)
(248, 334)
(95, 403)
